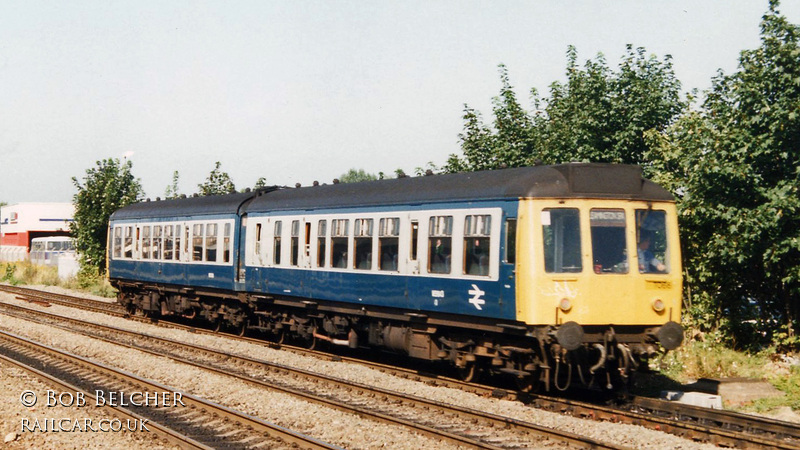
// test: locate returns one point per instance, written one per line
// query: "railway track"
(725, 428)
(181, 418)
(461, 426)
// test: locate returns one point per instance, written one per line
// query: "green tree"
(217, 183)
(356, 175)
(600, 115)
(512, 141)
(106, 187)
(173, 191)
(736, 164)
(260, 183)
(597, 115)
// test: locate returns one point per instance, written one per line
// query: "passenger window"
(477, 230)
(117, 242)
(651, 241)
(169, 242)
(339, 232)
(609, 253)
(321, 233)
(511, 241)
(146, 242)
(186, 242)
(562, 240)
(363, 244)
(258, 242)
(295, 242)
(276, 248)
(226, 243)
(128, 251)
(197, 242)
(157, 242)
(211, 242)
(388, 243)
(440, 232)
(178, 229)
(414, 239)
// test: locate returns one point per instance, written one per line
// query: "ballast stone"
(736, 391)
(693, 398)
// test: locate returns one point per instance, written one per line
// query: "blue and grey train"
(554, 275)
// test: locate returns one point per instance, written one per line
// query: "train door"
(412, 254)
(417, 295)
(239, 256)
(306, 261)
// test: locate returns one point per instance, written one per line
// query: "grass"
(23, 272)
(709, 359)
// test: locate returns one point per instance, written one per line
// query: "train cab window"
(276, 246)
(609, 254)
(226, 243)
(339, 233)
(197, 242)
(388, 243)
(561, 233)
(440, 240)
(146, 242)
(511, 241)
(157, 241)
(321, 240)
(169, 242)
(477, 230)
(362, 243)
(128, 249)
(117, 242)
(295, 242)
(651, 241)
(211, 242)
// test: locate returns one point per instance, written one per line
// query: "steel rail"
(169, 434)
(249, 423)
(690, 422)
(496, 421)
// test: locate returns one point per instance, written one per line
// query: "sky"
(298, 91)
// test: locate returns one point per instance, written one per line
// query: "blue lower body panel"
(484, 298)
(194, 275)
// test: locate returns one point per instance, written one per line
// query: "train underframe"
(538, 358)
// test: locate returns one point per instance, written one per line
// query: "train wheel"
(217, 326)
(527, 384)
(242, 330)
(311, 343)
(469, 373)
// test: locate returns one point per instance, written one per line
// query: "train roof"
(576, 180)
(561, 181)
(184, 207)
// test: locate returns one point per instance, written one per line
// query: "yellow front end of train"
(598, 262)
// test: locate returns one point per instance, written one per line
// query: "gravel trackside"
(324, 424)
